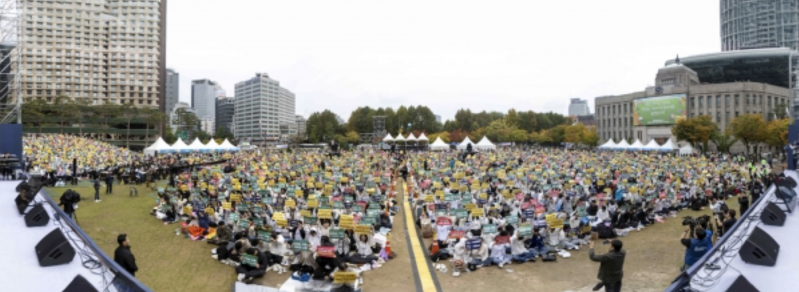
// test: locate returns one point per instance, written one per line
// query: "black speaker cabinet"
(37, 216)
(772, 215)
(742, 285)
(54, 249)
(760, 249)
(80, 284)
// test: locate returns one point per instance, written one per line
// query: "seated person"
(248, 273)
(304, 263)
(364, 253)
(223, 235)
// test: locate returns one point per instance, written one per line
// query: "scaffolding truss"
(10, 63)
(379, 125)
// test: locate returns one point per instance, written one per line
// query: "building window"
(726, 100)
(718, 117)
(747, 99)
(718, 101)
(736, 100)
(700, 101)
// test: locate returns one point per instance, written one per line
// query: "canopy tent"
(668, 146)
(411, 138)
(466, 141)
(212, 146)
(180, 146)
(439, 145)
(608, 145)
(158, 147)
(486, 144)
(687, 149)
(399, 138)
(623, 145)
(196, 145)
(422, 137)
(227, 146)
(388, 138)
(652, 145)
(637, 145)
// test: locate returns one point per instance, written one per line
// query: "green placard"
(336, 233)
(372, 212)
(661, 110)
(338, 205)
(264, 236)
(310, 220)
(490, 228)
(258, 222)
(373, 205)
(526, 229)
(299, 245)
(460, 213)
(450, 198)
(166, 208)
(244, 224)
(257, 209)
(357, 208)
(367, 221)
(249, 260)
(267, 200)
(512, 219)
(233, 217)
(467, 200)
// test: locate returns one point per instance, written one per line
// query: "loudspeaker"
(760, 249)
(37, 216)
(54, 249)
(772, 215)
(21, 186)
(80, 284)
(742, 285)
(789, 181)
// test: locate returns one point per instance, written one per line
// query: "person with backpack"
(96, 190)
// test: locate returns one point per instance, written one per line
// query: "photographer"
(69, 200)
(729, 221)
(695, 247)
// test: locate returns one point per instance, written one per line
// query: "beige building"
(103, 50)
(722, 102)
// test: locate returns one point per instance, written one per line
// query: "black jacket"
(125, 259)
(611, 265)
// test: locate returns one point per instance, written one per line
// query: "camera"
(70, 197)
(688, 220)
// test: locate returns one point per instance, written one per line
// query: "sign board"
(346, 222)
(526, 229)
(553, 221)
(363, 229)
(325, 214)
(337, 233)
(310, 220)
(264, 236)
(460, 213)
(478, 212)
(299, 245)
(473, 244)
(249, 260)
(443, 221)
(344, 277)
(490, 228)
(326, 251)
(457, 234)
(502, 239)
(661, 110)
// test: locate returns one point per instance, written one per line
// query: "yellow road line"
(418, 252)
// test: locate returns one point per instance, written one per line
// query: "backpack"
(605, 232)
(723, 208)
(549, 257)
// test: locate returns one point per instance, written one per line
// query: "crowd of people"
(317, 215)
(516, 205)
(302, 212)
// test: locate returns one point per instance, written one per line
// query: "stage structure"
(366, 138)
(379, 125)
(10, 49)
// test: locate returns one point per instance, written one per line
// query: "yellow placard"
(313, 203)
(471, 206)
(235, 198)
(553, 221)
(282, 222)
(291, 203)
(226, 206)
(363, 229)
(305, 213)
(344, 277)
(278, 215)
(429, 198)
(346, 222)
(483, 196)
(478, 212)
(187, 210)
(325, 214)
(209, 211)
(298, 193)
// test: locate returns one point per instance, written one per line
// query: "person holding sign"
(277, 248)
(248, 270)
(344, 275)
(519, 252)
(364, 253)
(498, 249)
(304, 263)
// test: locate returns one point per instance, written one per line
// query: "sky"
(447, 55)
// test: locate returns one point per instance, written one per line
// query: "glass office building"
(747, 24)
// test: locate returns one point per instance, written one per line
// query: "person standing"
(96, 190)
(109, 184)
(74, 171)
(124, 257)
(696, 246)
(611, 266)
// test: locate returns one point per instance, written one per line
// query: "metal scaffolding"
(10, 63)
(379, 125)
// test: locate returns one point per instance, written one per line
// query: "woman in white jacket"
(459, 256)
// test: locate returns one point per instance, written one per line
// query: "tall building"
(261, 106)
(438, 118)
(286, 114)
(759, 23)
(173, 113)
(204, 93)
(103, 50)
(225, 110)
(300, 125)
(172, 89)
(579, 107)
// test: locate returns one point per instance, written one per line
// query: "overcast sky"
(482, 55)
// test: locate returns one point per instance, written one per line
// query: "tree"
(169, 135)
(186, 121)
(749, 129)
(574, 133)
(152, 117)
(781, 110)
(528, 121)
(723, 141)
(223, 133)
(696, 131)
(107, 112)
(458, 135)
(777, 133)
(321, 126)
(512, 118)
(203, 136)
(129, 112)
(557, 134)
(590, 137)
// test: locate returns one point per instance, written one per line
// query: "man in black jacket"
(249, 272)
(611, 266)
(123, 256)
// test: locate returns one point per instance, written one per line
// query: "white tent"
(439, 145)
(180, 146)
(486, 144)
(411, 138)
(623, 145)
(198, 146)
(399, 138)
(388, 138)
(608, 145)
(652, 145)
(158, 147)
(422, 138)
(637, 145)
(227, 146)
(466, 141)
(687, 149)
(668, 146)
(212, 146)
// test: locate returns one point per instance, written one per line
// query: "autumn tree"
(777, 133)
(749, 129)
(697, 131)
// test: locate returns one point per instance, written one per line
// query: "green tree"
(723, 141)
(781, 111)
(169, 135)
(107, 112)
(777, 133)
(697, 131)
(223, 133)
(321, 126)
(528, 121)
(186, 121)
(590, 137)
(574, 133)
(749, 128)
(129, 112)
(557, 134)
(512, 118)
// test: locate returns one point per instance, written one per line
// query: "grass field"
(173, 263)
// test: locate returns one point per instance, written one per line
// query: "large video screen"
(661, 110)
